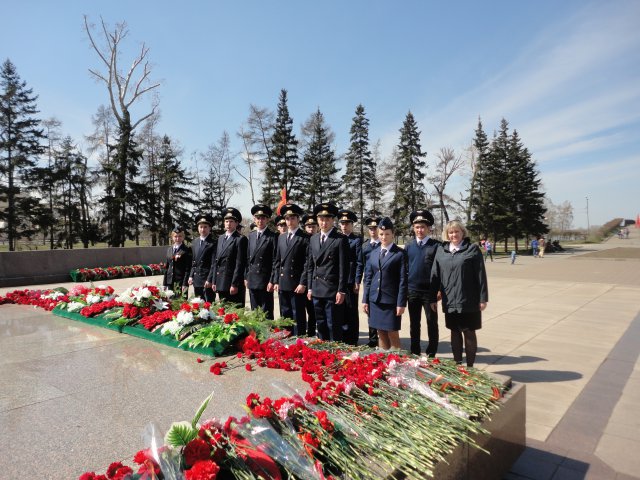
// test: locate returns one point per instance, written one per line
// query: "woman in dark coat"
(386, 280)
(458, 273)
(177, 263)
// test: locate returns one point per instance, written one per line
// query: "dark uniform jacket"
(355, 251)
(260, 257)
(228, 268)
(461, 277)
(202, 258)
(365, 253)
(289, 266)
(328, 265)
(386, 281)
(177, 270)
(420, 263)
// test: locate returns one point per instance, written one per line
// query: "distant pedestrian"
(488, 250)
(541, 247)
(534, 247)
(513, 257)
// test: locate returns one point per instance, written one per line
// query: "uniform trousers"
(206, 294)
(329, 318)
(259, 297)
(292, 305)
(419, 301)
(311, 317)
(237, 299)
(351, 325)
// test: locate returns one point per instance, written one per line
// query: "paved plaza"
(75, 397)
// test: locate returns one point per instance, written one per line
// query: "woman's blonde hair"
(449, 226)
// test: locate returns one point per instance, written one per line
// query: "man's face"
(292, 221)
(421, 230)
(230, 225)
(346, 227)
(204, 229)
(311, 229)
(373, 233)
(261, 222)
(282, 227)
(178, 237)
(326, 223)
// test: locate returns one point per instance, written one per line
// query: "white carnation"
(204, 314)
(171, 327)
(91, 299)
(184, 318)
(75, 306)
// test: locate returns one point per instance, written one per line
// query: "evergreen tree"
(362, 188)
(318, 171)
(480, 149)
(20, 145)
(527, 200)
(410, 173)
(281, 169)
(175, 186)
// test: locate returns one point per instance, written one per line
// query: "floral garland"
(126, 271)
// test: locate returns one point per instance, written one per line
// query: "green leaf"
(201, 410)
(180, 434)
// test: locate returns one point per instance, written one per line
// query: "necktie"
(323, 237)
(420, 244)
(259, 234)
(201, 242)
(383, 252)
(289, 237)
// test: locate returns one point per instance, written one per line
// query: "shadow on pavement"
(507, 359)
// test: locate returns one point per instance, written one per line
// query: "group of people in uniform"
(317, 268)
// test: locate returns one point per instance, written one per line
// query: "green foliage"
(179, 434)
(201, 409)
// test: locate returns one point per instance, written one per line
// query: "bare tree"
(125, 88)
(446, 166)
(219, 184)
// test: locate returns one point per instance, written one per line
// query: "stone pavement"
(76, 397)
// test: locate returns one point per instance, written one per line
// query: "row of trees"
(139, 182)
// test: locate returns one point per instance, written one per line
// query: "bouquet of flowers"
(139, 302)
(89, 301)
(46, 299)
(92, 274)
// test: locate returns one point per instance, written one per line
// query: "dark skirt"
(463, 321)
(383, 317)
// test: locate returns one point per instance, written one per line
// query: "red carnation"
(202, 470)
(215, 369)
(221, 311)
(122, 473)
(199, 360)
(113, 468)
(196, 450)
(247, 367)
(91, 476)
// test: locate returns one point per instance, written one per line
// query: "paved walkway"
(75, 397)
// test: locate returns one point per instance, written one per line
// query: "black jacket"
(386, 280)
(201, 260)
(227, 269)
(289, 266)
(260, 258)
(328, 265)
(461, 277)
(365, 252)
(177, 269)
(420, 263)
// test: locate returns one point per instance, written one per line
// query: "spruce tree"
(318, 171)
(362, 188)
(410, 173)
(20, 144)
(282, 166)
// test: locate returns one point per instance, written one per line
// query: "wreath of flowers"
(126, 271)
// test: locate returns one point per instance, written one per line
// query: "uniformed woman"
(386, 287)
(177, 263)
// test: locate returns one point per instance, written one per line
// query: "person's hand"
(233, 290)
(300, 289)
(246, 283)
(275, 287)
(483, 306)
(309, 295)
(213, 287)
(356, 288)
(365, 308)
(190, 281)
(399, 311)
(269, 287)
(207, 284)
(339, 298)
(434, 306)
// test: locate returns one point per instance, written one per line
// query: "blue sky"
(565, 74)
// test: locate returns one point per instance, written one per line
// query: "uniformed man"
(328, 273)
(260, 257)
(365, 252)
(351, 326)
(178, 263)
(281, 224)
(310, 226)
(289, 278)
(228, 268)
(421, 252)
(204, 251)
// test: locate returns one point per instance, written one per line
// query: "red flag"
(283, 200)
